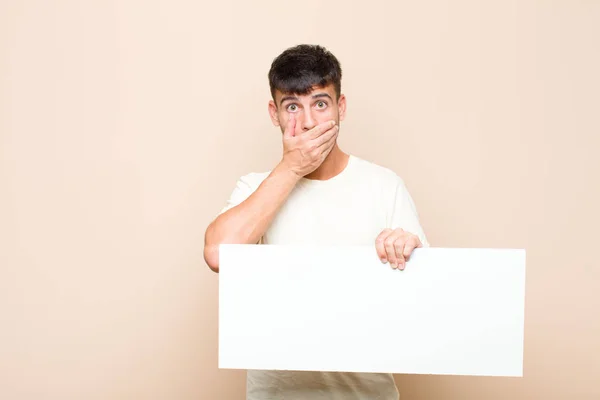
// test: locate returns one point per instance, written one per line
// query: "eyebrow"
(314, 96)
(319, 95)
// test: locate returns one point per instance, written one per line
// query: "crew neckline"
(319, 182)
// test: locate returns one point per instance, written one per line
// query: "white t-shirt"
(351, 208)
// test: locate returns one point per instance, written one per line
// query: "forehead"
(329, 89)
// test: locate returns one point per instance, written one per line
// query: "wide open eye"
(292, 107)
(321, 105)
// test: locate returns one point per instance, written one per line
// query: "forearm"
(247, 222)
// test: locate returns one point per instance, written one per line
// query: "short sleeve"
(405, 215)
(243, 189)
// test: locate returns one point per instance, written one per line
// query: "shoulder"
(378, 173)
(244, 187)
(251, 181)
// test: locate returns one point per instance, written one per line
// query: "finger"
(326, 148)
(412, 243)
(380, 245)
(319, 129)
(390, 250)
(290, 128)
(322, 152)
(327, 137)
(399, 246)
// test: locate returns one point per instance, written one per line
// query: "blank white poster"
(338, 308)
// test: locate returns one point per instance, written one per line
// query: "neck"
(334, 164)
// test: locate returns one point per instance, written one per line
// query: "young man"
(317, 194)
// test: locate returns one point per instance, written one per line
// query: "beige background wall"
(124, 125)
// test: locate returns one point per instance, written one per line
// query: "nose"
(309, 120)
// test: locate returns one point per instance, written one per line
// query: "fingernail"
(383, 260)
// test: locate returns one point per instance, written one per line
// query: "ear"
(273, 113)
(342, 107)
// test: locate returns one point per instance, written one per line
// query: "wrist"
(284, 169)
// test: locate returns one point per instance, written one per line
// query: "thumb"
(290, 128)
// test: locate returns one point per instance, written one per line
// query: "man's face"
(310, 110)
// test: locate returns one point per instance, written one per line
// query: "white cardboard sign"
(338, 308)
